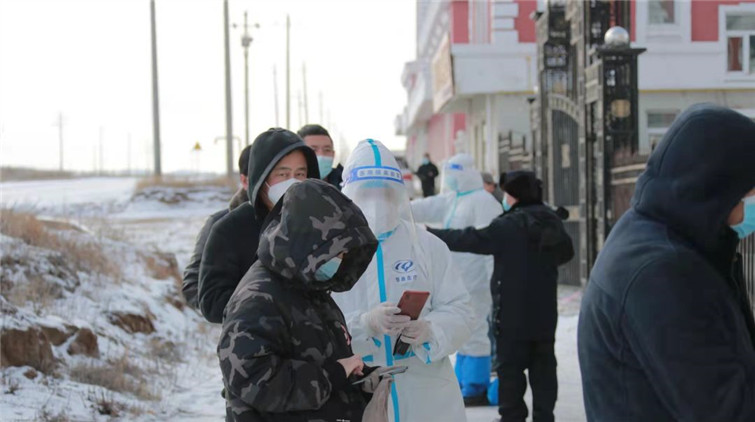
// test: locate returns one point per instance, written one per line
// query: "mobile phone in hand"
(411, 304)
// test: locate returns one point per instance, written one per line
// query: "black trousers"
(539, 359)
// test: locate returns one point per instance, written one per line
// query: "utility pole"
(275, 92)
(288, 72)
(245, 41)
(155, 97)
(321, 120)
(306, 104)
(228, 103)
(101, 161)
(59, 124)
(128, 146)
(299, 106)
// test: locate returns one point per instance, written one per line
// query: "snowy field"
(194, 392)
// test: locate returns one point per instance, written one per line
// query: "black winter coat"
(282, 332)
(191, 273)
(427, 174)
(232, 244)
(666, 331)
(528, 243)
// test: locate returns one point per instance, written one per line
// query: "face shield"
(373, 180)
(459, 175)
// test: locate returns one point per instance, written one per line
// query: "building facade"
(477, 64)
(468, 86)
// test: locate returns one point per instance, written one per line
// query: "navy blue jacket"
(666, 331)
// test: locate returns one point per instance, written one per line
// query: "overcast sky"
(90, 60)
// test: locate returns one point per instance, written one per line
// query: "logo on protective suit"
(405, 271)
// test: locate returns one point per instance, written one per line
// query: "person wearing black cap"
(278, 158)
(191, 273)
(528, 243)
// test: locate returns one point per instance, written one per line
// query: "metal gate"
(565, 181)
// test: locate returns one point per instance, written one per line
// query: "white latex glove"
(416, 332)
(384, 319)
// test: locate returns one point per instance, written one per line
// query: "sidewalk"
(569, 407)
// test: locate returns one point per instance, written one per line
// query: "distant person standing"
(427, 173)
(318, 138)
(491, 186)
(191, 273)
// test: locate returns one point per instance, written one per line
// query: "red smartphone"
(411, 304)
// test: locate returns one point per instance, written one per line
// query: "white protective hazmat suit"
(464, 203)
(408, 258)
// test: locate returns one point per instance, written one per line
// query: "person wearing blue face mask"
(318, 138)
(286, 350)
(666, 330)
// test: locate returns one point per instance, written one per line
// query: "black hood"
(269, 148)
(703, 166)
(310, 225)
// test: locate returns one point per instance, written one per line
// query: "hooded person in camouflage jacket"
(285, 348)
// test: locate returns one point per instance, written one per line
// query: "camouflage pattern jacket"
(282, 332)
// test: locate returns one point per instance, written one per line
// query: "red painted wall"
(441, 133)
(522, 23)
(459, 22)
(633, 23)
(705, 18)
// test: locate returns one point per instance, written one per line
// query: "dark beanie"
(523, 185)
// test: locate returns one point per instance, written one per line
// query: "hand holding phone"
(411, 304)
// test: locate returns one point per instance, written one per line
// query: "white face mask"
(276, 191)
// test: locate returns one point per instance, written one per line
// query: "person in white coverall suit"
(407, 258)
(465, 203)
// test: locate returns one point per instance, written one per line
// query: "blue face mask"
(506, 206)
(328, 269)
(425, 160)
(747, 226)
(325, 164)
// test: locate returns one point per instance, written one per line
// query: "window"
(661, 12)
(658, 124)
(740, 42)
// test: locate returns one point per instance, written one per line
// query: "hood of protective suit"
(266, 151)
(312, 224)
(460, 174)
(373, 180)
(701, 169)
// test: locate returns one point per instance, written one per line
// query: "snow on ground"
(62, 194)
(191, 392)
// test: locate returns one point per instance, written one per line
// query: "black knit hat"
(523, 185)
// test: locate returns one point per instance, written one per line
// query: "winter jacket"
(528, 243)
(191, 273)
(666, 331)
(427, 174)
(335, 177)
(232, 244)
(282, 332)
